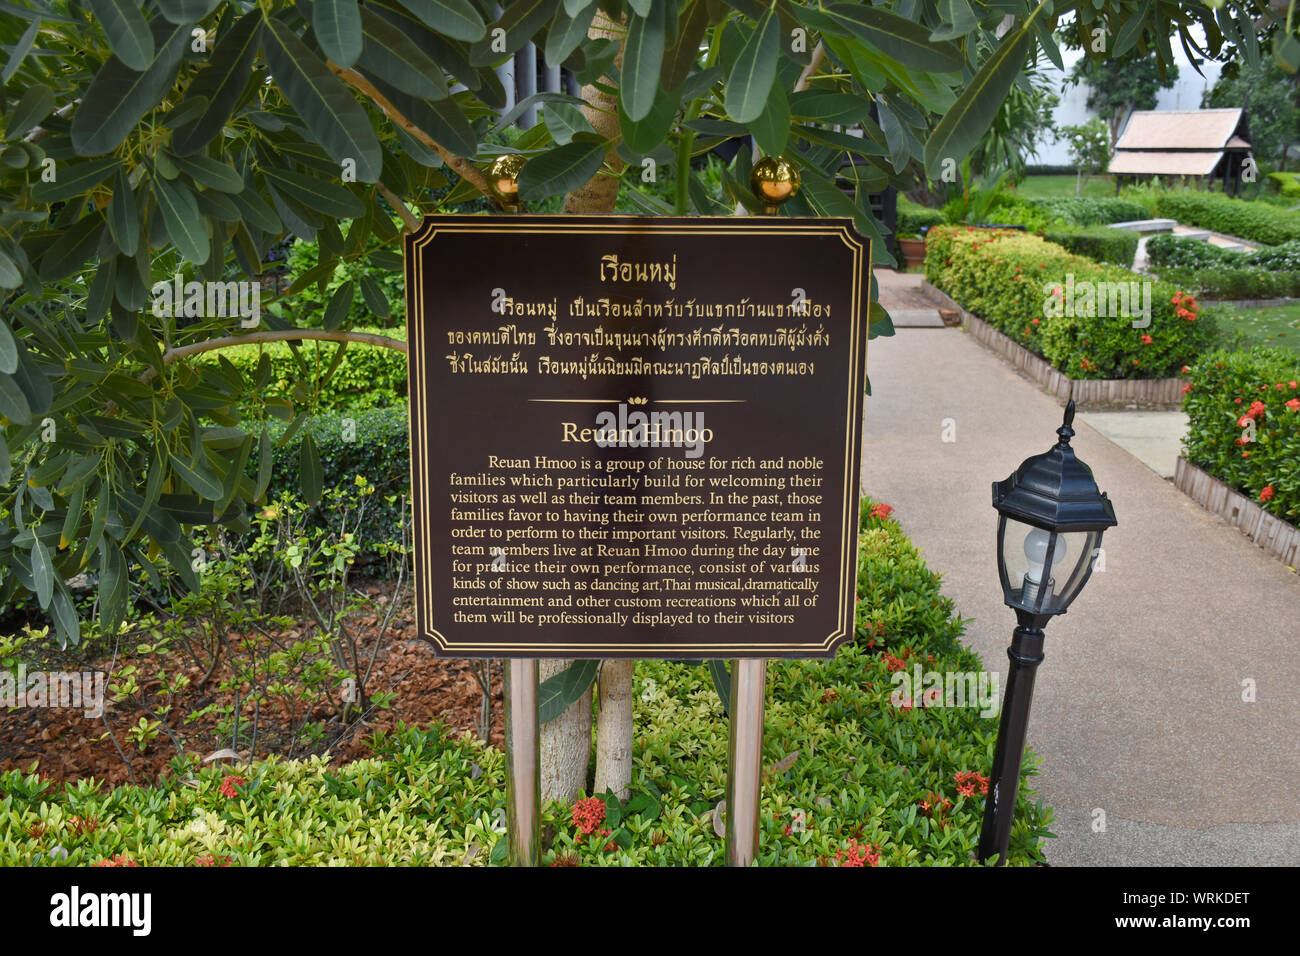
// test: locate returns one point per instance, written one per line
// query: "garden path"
(1138, 710)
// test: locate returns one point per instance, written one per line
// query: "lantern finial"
(1065, 431)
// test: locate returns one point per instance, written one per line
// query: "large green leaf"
(210, 172)
(8, 351)
(42, 572)
(186, 12)
(316, 194)
(827, 106)
(338, 29)
(127, 31)
(648, 134)
(642, 57)
(560, 170)
(752, 75)
(905, 40)
(71, 250)
(771, 128)
(968, 119)
(118, 95)
(221, 83)
(518, 22)
(557, 693)
(113, 584)
(685, 53)
(37, 103)
(452, 18)
(66, 621)
(123, 217)
(75, 179)
(334, 117)
(566, 33)
(180, 214)
(13, 403)
(19, 51)
(309, 470)
(392, 56)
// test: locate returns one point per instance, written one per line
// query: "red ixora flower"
(1257, 408)
(1187, 388)
(230, 786)
(864, 854)
(1293, 383)
(210, 860)
(1184, 370)
(881, 511)
(1266, 493)
(1147, 340)
(971, 779)
(588, 814)
(1294, 404)
(120, 860)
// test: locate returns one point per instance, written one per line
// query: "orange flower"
(1266, 493)
(1147, 340)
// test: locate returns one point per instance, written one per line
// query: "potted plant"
(912, 246)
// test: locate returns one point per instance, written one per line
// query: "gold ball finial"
(774, 180)
(503, 178)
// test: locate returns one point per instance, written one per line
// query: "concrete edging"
(1279, 538)
(1086, 391)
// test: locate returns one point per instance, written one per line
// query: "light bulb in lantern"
(1036, 544)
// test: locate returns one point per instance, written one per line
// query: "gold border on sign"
(433, 226)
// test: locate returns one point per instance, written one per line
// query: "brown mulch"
(67, 746)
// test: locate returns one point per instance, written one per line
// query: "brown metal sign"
(636, 437)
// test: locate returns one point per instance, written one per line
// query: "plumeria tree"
(182, 141)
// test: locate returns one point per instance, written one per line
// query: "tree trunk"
(565, 744)
(614, 729)
(566, 741)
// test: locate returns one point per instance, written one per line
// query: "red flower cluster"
(210, 860)
(881, 511)
(588, 814)
(936, 806)
(1294, 404)
(968, 780)
(120, 860)
(1266, 493)
(1147, 340)
(230, 786)
(893, 663)
(864, 854)
(1184, 305)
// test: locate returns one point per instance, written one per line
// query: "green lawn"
(1055, 187)
(1278, 326)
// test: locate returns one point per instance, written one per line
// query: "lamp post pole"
(1026, 653)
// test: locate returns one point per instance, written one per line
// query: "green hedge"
(1228, 391)
(898, 785)
(1256, 221)
(1272, 271)
(369, 376)
(376, 444)
(1008, 279)
(1286, 184)
(914, 219)
(1090, 212)
(1101, 243)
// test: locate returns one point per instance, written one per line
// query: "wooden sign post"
(635, 437)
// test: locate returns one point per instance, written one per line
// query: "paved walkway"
(1138, 709)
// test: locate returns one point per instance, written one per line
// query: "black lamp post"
(1050, 521)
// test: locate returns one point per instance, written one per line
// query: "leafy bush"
(367, 376)
(373, 443)
(1271, 271)
(1018, 283)
(1244, 424)
(378, 296)
(1101, 243)
(1090, 212)
(1286, 184)
(873, 781)
(914, 219)
(1256, 221)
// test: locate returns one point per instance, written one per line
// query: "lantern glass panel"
(1043, 570)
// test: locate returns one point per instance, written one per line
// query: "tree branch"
(412, 224)
(462, 167)
(277, 335)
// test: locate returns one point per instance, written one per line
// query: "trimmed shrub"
(1037, 293)
(874, 781)
(1244, 424)
(376, 444)
(1286, 184)
(914, 219)
(367, 377)
(1256, 221)
(1272, 271)
(1167, 251)
(1101, 243)
(1090, 212)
